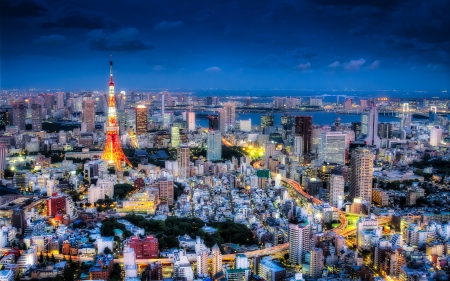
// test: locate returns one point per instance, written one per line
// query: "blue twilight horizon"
(289, 44)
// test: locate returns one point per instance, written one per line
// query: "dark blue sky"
(288, 44)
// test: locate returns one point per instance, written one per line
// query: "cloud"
(354, 65)
(158, 67)
(71, 16)
(432, 66)
(375, 64)
(335, 64)
(213, 69)
(125, 39)
(168, 25)
(54, 39)
(22, 8)
(303, 66)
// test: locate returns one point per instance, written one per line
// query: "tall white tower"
(214, 146)
(361, 175)
(370, 124)
(299, 242)
(191, 121)
(337, 191)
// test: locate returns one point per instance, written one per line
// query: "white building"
(245, 125)
(241, 261)
(181, 265)
(435, 136)
(214, 146)
(337, 191)
(129, 262)
(332, 147)
(191, 121)
(299, 242)
(298, 145)
(104, 242)
(103, 188)
(202, 263)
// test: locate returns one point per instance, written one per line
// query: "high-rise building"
(214, 124)
(361, 175)
(175, 137)
(141, 119)
(2, 158)
(36, 117)
(337, 184)
(299, 242)
(303, 127)
(166, 190)
(217, 260)
(89, 114)
(190, 121)
(332, 147)
(227, 116)
(348, 104)
(363, 103)
(385, 130)
(49, 101)
(316, 263)
(298, 145)
(214, 146)
(369, 128)
(356, 127)
(19, 115)
(287, 121)
(212, 101)
(5, 117)
(267, 121)
(60, 100)
(435, 136)
(202, 263)
(183, 161)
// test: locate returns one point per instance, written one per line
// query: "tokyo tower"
(113, 152)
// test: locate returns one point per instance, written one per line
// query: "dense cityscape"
(131, 186)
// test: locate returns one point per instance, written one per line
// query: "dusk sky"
(287, 44)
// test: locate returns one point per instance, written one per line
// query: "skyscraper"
(369, 128)
(385, 130)
(89, 114)
(303, 127)
(36, 117)
(60, 100)
(356, 127)
(166, 190)
(213, 122)
(267, 121)
(298, 145)
(190, 121)
(5, 117)
(202, 263)
(141, 119)
(175, 137)
(287, 122)
(214, 146)
(299, 243)
(19, 115)
(361, 175)
(332, 147)
(183, 156)
(227, 116)
(337, 184)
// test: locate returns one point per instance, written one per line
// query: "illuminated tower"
(113, 152)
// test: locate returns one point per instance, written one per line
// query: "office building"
(287, 122)
(60, 100)
(190, 121)
(214, 146)
(175, 136)
(36, 117)
(227, 116)
(299, 242)
(332, 147)
(356, 127)
(212, 101)
(298, 145)
(337, 184)
(385, 130)
(146, 248)
(216, 260)
(316, 263)
(183, 161)
(435, 136)
(19, 110)
(214, 124)
(303, 127)
(361, 175)
(5, 117)
(166, 190)
(369, 128)
(348, 104)
(245, 125)
(2, 158)
(141, 119)
(271, 271)
(266, 121)
(89, 114)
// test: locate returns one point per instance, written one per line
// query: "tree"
(53, 259)
(107, 251)
(41, 258)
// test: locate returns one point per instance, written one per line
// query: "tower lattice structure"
(113, 152)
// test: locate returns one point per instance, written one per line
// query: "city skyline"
(367, 45)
